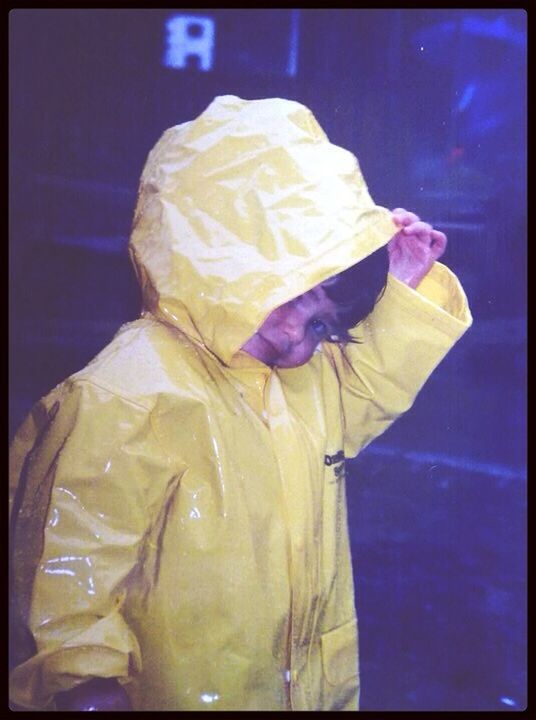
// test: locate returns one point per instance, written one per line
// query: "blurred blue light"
(498, 28)
(292, 65)
(467, 96)
(445, 36)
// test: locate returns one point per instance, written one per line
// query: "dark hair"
(356, 290)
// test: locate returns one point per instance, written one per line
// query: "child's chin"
(287, 364)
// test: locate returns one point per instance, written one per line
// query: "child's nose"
(294, 327)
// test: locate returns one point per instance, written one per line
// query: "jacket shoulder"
(144, 360)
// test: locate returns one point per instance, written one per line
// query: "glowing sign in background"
(190, 38)
(263, 43)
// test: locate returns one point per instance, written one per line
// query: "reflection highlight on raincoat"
(175, 523)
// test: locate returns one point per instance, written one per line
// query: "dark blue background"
(433, 102)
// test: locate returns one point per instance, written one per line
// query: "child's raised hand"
(414, 248)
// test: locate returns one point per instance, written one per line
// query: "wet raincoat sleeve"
(89, 495)
(406, 336)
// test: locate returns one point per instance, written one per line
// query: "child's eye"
(319, 328)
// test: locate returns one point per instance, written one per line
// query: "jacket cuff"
(439, 299)
(107, 649)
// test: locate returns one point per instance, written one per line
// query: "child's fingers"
(422, 229)
(439, 243)
(404, 217)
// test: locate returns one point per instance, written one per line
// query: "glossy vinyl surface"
(178, 507)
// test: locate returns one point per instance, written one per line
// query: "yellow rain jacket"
(179, 514)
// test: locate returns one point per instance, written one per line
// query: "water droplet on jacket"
(54, 518)
(209, 697)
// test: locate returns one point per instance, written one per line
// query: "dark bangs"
(356, 291)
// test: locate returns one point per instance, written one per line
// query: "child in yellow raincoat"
(179, 531)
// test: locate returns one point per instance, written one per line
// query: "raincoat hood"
(243, 209)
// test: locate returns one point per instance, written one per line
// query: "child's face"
(291, 333)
